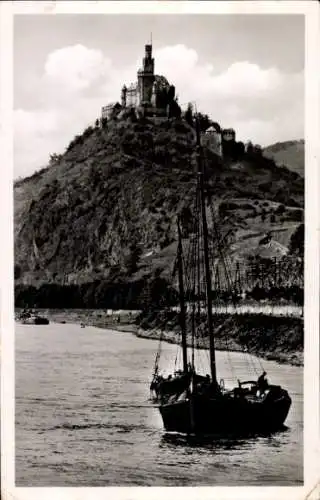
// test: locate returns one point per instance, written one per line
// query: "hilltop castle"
(151, 94)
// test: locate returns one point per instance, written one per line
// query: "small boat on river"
(32, 318)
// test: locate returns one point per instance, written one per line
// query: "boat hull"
(225, 414)
(39, 320)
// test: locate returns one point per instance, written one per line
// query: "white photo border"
(310, 9)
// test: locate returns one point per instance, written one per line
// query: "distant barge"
(32, 318)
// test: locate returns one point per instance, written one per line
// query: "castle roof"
(109, 105)
(211, 129)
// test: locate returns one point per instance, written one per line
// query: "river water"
(83, 417)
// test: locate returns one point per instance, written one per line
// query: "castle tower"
(146, 77)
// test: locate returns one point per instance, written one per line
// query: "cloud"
(262, 104)
(241, 79)
(76, 68)
(242, 96)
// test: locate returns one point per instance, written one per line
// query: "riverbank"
(270, 337)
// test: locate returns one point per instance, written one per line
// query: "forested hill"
(288, 153)
(106, 209)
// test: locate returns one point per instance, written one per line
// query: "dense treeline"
(292, 293)
(96, 295)
(132, 295)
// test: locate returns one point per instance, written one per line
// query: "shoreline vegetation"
(276, 338)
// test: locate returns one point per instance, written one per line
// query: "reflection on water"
(228, 442)
(83, 418)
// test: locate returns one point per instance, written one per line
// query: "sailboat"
(194, 403)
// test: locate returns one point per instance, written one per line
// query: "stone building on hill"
(220, 141)
(151, 94)
(212, 139)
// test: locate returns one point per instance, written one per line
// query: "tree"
(186, 220)
(174, 110)
(189, 114)
(87, 132)
(131, 261)
(54, 159)
(258, 149)
(240, 147)
(133, 115)
(280, 209)
(204, 122)
(170, 93)
(249, 148)
(238, 150)
(296, 245)
(17, 272)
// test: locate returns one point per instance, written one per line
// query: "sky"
(244, 71)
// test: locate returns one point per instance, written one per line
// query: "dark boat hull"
(224, 414)
(37, 320)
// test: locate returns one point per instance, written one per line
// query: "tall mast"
(182, 303)
(206, 257)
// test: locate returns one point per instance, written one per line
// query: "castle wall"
(213, 141)
(132, 96)
(107, 110)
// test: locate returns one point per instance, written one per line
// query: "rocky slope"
(106, 209)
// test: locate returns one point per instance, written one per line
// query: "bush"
(280, 209)
(296, 245)
(188, 116)
(54, 159)
(204, 122)
(17, 272)
(296, 215)
(87, 132)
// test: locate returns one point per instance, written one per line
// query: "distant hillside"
(289, 154)
(106, 209)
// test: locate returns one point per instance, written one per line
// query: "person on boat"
(262, 383)
(190, 368)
